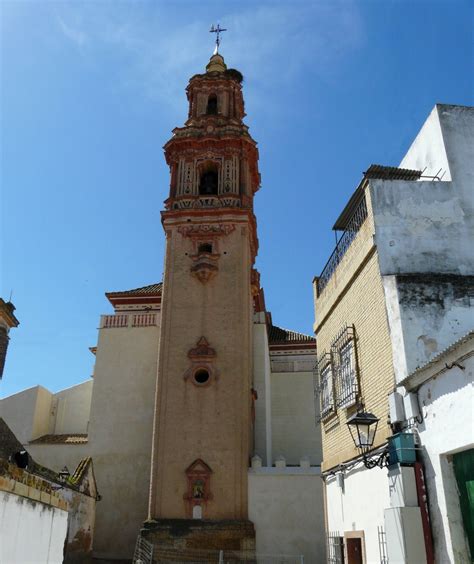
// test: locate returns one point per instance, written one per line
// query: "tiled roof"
(391, 173)
(152, 289)
(374, 171)
(72, 439)
(80, 470)
(453, 346)
(278, 335)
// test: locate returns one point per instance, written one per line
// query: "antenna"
(217, 30)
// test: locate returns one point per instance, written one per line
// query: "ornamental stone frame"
(198, 493)
(202, 357)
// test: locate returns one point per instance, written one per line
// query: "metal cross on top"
(217, 30)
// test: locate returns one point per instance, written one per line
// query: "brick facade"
(354, 297)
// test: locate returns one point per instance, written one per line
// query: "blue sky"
(90, 92)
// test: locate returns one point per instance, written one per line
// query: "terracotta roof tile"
(80, 470)
(278, 335)
(73, 439)
(152, 289)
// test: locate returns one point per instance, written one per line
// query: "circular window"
(201, 376)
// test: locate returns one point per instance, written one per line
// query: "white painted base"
(30, 532)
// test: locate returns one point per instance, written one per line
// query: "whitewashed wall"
(294, 430)
(261, 383)
(359, 505)
(30, 532)
(448, 426)
(27, 413)
(36, 411)
(410, 217)
(56, 456)
(120, 435)
(423, 233)
(286, 507)
(71, 409)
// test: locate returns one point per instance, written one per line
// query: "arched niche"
(209, 179)
(211, 108)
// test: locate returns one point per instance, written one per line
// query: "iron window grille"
(382, 545)
(325, 384)
(344, 353)
(335, 543)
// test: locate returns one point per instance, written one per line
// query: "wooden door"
(354, 550)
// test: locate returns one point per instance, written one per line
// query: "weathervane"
(217, 30)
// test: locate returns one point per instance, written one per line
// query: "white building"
(44, 516)
(411, 251)
(441, 393)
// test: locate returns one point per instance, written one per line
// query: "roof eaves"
(280, 336)
(373, 172)
(73, 438)
(451, 348)
(151, 291)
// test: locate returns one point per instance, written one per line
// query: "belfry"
(203, 427)
(200, 416)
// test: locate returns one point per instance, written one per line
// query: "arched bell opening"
(209, 180)
(211, 109)
(205, 248)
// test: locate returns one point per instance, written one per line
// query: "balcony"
(349, 234)
(122, 320)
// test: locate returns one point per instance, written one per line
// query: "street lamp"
(363, 427)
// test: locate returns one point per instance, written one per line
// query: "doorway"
(464, 471)
(355, 549)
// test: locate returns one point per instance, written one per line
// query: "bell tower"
(203, 424)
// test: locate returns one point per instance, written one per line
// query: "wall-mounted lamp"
(363, 427)
(64, 474)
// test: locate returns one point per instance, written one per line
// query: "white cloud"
(270, 43)
(77, 36)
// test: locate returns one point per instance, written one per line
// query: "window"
(211, 109)
(201, 376)
(347, 389)
(324, 386)
(326, 390)
(335, 544)
(344, 366)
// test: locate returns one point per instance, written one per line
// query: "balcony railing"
(114, 321)
(144, 320)
(352, 228)
(129, 320)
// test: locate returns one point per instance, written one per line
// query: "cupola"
(216, 64)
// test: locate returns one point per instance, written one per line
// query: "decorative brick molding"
(202, 357)
(206, 230)
(202, 351)
(198, 476)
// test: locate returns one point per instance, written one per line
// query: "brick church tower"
(203, 425)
